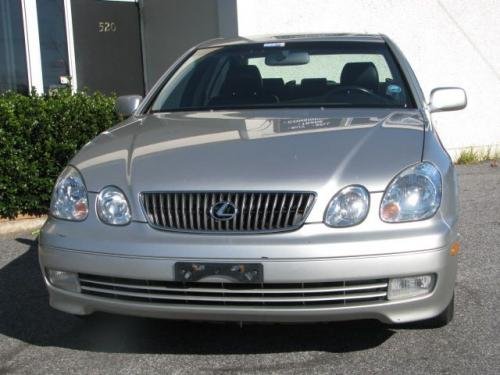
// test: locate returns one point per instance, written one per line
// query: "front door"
(107, 40)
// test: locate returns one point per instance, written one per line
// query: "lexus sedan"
(285, 179)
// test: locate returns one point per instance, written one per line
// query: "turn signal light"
(454, 248)
(390, 211)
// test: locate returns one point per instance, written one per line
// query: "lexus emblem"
(223, 211)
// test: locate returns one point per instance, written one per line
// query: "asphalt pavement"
(37, 339)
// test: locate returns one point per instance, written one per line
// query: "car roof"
(339, 37)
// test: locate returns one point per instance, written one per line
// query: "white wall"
(448, 43)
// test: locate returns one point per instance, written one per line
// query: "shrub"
(469, 156)
(38, 136)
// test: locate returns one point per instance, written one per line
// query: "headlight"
(348, 207)
(69, 198)
(414, 194)
(112, 206)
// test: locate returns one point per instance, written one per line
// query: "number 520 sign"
(106, 27)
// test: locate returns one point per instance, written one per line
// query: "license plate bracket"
(232, 272)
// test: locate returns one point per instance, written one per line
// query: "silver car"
(288, 179)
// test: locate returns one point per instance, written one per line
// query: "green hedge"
(38, 136)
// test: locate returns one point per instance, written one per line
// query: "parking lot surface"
(37, 339)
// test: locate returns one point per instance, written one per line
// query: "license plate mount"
(230, 272)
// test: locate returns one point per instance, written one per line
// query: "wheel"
(442, 319)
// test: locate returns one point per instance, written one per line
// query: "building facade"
(119, 46)
(124, 46)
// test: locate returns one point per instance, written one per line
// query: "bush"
(38, 136)
(471, 156)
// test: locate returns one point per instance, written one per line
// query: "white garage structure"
(448, 43)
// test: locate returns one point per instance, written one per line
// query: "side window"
(215, 86)
(196, 86)
(173, 98)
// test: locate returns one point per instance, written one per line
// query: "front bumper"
(434, 261)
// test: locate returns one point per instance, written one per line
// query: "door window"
(53, 42)
(13, 69)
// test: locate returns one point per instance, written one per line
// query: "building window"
(13, 69)
(53, 42)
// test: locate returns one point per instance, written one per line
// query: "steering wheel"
(348, 89)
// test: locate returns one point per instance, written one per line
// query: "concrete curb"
(24, 225)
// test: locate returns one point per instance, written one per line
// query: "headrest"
(273, 84)
(313, 83)
(363, 74)
(244, 80)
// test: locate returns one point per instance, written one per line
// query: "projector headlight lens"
(348, 207)
(112, 206)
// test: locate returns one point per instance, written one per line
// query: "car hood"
(307, 150)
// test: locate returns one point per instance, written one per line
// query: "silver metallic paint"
(249, 150)
(447, 99)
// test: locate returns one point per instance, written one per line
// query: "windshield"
(274, 75)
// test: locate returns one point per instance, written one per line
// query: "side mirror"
(447, 99)
(126, 105)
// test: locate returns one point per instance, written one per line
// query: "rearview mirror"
(447, 99)
(127, 104)
(280, 58)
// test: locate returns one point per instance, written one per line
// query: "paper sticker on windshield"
(274, 44)
(393, 89)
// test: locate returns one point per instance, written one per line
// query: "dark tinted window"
(13, 70)
(328, 74)
(53, 42)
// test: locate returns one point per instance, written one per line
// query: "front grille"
(235, 294)
(254, 211)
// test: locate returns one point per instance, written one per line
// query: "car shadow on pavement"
(25, 315)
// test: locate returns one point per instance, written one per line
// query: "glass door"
(13, 68)
(53, 43)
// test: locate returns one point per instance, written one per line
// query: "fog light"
(64, 280)
(408, 287)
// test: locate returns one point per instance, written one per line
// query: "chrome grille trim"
(235, 294)
(257, 211)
